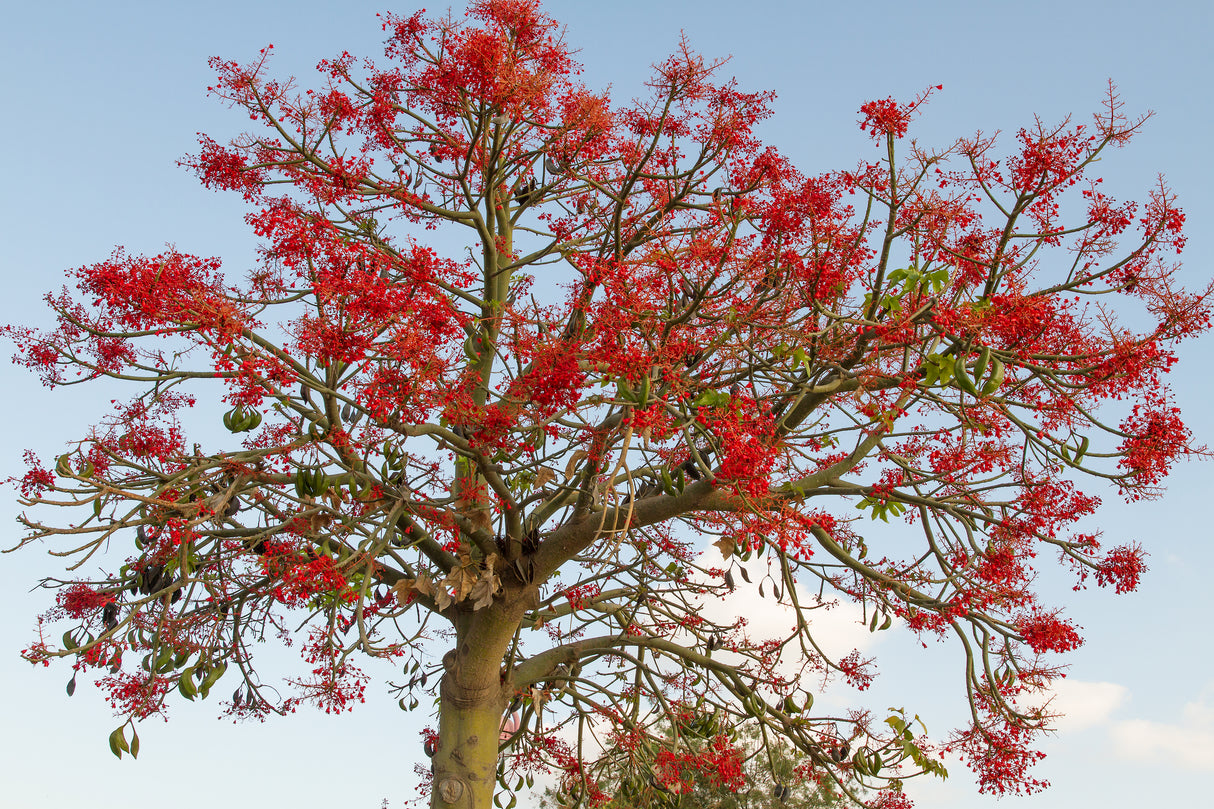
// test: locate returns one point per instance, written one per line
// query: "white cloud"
(837, 628)
(1188, 743)
(1083, 705)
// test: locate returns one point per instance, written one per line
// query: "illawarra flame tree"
(499, 468)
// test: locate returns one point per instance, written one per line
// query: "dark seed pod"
(156, 579)
(109, 616)
(71, 685)
(148, 578)
(781, 792)
(236, 697)
(524, 194)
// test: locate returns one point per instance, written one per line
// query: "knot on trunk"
(465, 695)
(450, 789)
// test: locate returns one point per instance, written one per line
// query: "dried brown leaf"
(575, 459)
(460, 581)
(726, 545)
(483, 591)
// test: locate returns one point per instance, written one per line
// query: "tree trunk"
(473, 698)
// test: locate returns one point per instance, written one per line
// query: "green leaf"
(134, 743)
(118, 743)
(711, 398)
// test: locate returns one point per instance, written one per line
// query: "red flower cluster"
(888, 118)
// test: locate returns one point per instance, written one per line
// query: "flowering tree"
(660, 331)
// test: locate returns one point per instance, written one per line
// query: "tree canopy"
(521, 470)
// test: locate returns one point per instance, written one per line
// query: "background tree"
(659, 323)
(666, 772)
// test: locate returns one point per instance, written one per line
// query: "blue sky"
(101, 99)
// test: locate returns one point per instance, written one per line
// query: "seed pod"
(109, 616)
(984, 357)
(962, 378)
(146, 577)
(996, 379)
